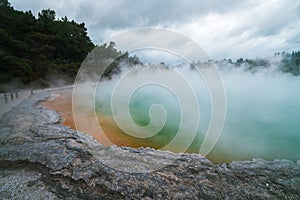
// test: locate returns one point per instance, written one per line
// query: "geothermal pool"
(262, 114)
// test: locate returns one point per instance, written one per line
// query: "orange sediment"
(62, 103)
(112, 134)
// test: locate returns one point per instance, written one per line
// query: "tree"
(47, 15)
(4, 3)
(239, 62)
(32, 49)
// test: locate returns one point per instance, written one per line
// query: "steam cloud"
(263, 110)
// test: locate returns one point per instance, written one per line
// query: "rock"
(41, 159)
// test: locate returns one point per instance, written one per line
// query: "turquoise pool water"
(262, 113)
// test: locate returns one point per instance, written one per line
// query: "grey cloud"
(294, 40)
(34, 6)
(270, 21)
(62, 8)
(253, 20)
(107, 16)
(130, 13)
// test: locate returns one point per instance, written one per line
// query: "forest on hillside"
(285, 62)
(39, 49)
(39, 52)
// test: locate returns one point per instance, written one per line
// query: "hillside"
(38, 50)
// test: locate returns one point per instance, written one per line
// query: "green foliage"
(252, 64)
(32, 49)
(4, 3)
(36, 50)
(291, 63)
(108, 55)
(47, 16)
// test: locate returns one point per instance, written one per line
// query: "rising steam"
(263, 111)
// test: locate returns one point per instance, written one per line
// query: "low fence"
(21, 94)
(8, 97)
(11, 96)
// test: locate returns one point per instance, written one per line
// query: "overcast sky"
(224, 29)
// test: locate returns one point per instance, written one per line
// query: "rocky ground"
(41, 159)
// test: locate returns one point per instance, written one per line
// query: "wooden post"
(5, 97)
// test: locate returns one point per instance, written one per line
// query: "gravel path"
(7, 103)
